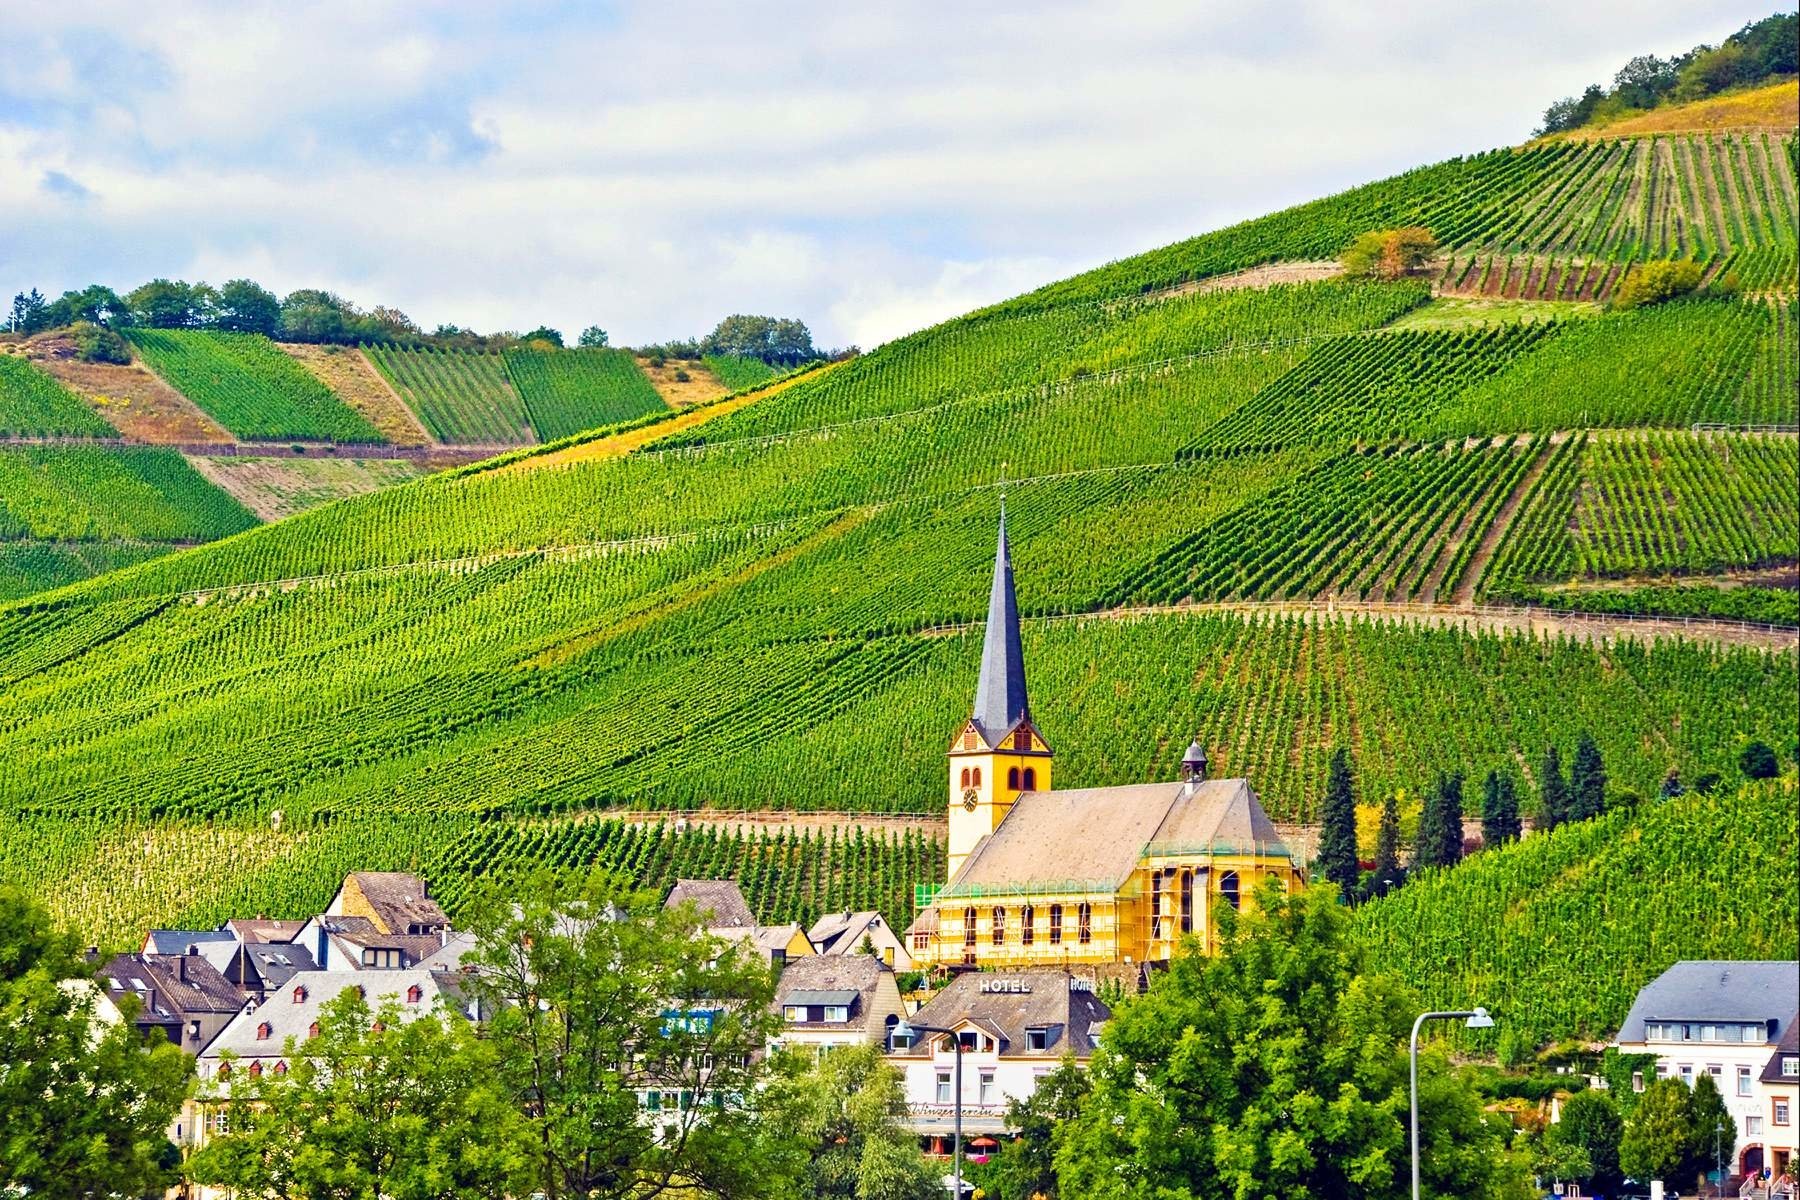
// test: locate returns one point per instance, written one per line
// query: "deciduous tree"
(1659, 1135)
(840, 1120)
(1591, 1123)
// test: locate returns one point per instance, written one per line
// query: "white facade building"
(1722, 1019)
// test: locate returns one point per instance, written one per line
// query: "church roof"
(1093, 838)
(1000, 702)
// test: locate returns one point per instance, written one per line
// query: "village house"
(828, 1001)
(1094, 875)
(1015, 1027)
(183, 995)
(1727, 1020)
(856, 933)
(726, 915)
(1778, 1091)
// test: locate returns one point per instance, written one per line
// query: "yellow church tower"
(999, 754)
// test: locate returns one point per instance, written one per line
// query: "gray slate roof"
(1717, 991)
(1787, 1047)
(287, 1019)
(1070, 1018)
(172, 987)
(176, 941)
(274, 963)
(845, 978)
(721, 897)
(400, 901)
(842, 932)
(1095, 837)
(1000, 702)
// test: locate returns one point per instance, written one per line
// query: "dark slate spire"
(1000, 700)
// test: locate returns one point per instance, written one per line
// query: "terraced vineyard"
(779, 605)
(737, 372)
(68, 512)
(569, 391)
(34, 404)
(127, 870)
(461, 397)
(1612, 902)
(249, 386)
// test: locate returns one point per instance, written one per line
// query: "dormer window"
(263, 1031)
(1037, 1038)
(299, 994)
(312, 1031)
(837, 1013)
(281, 1068)
(256, 1070)
(414, 994)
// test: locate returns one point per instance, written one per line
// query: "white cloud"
(868, 168)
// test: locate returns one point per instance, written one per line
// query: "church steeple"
(998, 755)
(1000, 702)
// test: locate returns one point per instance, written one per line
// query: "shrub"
(97, 343)
(1655, 282)
(1758, 761)
(681, 376)
(1390, 253)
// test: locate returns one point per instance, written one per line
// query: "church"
(1091, 875)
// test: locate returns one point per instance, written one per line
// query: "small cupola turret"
(1193, 763)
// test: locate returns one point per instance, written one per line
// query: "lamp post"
(1477, 1019)
(907, 1030)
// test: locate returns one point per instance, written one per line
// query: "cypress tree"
(1553, 791)
(1387, 850)
(1337, 838)
(1440, 824)
(1499, 810)
(1587, 781)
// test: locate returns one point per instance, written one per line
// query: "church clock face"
(970, 796)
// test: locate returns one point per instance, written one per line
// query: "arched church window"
(965, 777)
(1031, 779)
(968, 927)
(1187, 901)
(1228, 888)
(1027, 917)
(977, 776)
(1084, 923)
(999, 925)
(1012, 778)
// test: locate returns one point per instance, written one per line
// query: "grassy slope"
(249, 386)
(741, 615)
(1771, 106)
(34, 404)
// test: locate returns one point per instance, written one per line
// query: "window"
(965, 777)
(1031, 779)
(837, 1013)
(1027, 918)
(1038, 1039)
(1022, 740)
(976, 776)
(1228, 888)
(999, 925)
(1780, 1114)
(1754, 1034)
(299, 995)
(969, 742)
(263, 1031)
(943, 1088)
(1012, 778)
(1753, 1127)
(1056, 924)
(987, 1088)
(1687, 1074)
(1743, 1081)
(1790, 1066)
(281, 1068)
(312, 1031)
(652, 1101)
(1717, 1072)
(1709, 1033)
(256, 1070)
(1637, 1081)
(1084, 923)
(793, 1012)
(1187, 902)
(414, 994)
(969, 927)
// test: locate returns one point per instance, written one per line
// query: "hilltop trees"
(84, 1105)
(1337, 837)
(1277, 1067)
(772, 339)
(245, 306)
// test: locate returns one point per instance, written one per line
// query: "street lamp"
(1478, 1019)
(907, 1030)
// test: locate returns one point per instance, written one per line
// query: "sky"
(653, 167)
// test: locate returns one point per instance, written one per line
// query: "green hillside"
(1611, 903)
(568, 391)
(34, 404)
(778, 607)
(245, 383)
(70, 512)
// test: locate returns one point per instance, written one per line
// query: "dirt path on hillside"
(1267, 275)
(1496, 530)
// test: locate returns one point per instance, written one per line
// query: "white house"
(1015, 1027)
(1724, 1019)
(846, 932)
(1778, 1090)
